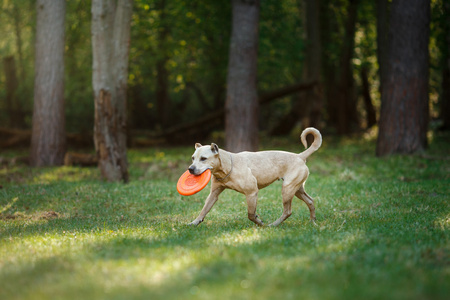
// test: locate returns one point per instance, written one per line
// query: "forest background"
(178, 61)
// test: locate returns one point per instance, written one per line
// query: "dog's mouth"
(197, 172)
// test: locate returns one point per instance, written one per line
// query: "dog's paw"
(260, 223)
(194, 223)
(255, 219)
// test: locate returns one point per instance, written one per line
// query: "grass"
(383, 231)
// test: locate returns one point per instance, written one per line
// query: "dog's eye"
(192, 158)
(203, 158)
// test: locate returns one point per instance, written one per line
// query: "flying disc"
(189, 184)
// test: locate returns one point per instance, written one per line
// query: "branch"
(267, 97)
(216, 117)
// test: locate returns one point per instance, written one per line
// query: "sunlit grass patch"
(66, 174)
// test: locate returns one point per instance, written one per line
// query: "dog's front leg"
(209, 203)
(252, 199)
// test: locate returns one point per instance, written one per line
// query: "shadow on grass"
(232, 260)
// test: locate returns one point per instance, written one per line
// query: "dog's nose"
(191, 169)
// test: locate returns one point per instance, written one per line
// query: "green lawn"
(383, 231)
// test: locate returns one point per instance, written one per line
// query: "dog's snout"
(192, 169)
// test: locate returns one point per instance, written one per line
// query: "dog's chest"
(236, 186)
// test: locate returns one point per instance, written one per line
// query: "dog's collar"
(226, 176)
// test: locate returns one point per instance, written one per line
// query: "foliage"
(194, 50)
(195, 55)
(78, 61)
(439, 53)
(365, 52)
(383, 231)
(17, 19)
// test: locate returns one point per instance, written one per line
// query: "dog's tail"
(315, 145)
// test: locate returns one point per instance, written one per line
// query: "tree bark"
(445, 96)
(241, 106)
(404, 100)
(382, 14)
(48, 142)
(314, 62)
(18, 30)
(111, 22)
(329, 27)
(11, 85)
(162, 92)
(370, 110)
(346, 104)
(162, 77)
(444, 100)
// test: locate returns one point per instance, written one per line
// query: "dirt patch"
(15, 216)
(45, 215)
(8, 217)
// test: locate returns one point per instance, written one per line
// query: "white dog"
(248, 172)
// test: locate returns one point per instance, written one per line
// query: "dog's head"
(204, 157)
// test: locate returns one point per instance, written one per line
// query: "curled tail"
(315, 145)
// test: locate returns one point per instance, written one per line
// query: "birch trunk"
(241, 107)
(48, 142)
(111, 22)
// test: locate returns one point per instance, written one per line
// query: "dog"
(248, 172)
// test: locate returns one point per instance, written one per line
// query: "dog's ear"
(214, 148)
(197, 145)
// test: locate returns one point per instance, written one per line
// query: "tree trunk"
(382, 14)
(162, 77)
(48, 142)
(241, 107)
(11, 84)
(404, 99)
(314, 62)
(444, 100)
(18, 30)
(111, 22)
(346, 109)
(307, 105)
(162, 92)
(329, 33)
(370, 110)
(445, 96)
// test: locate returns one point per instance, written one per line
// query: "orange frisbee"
(189, 184)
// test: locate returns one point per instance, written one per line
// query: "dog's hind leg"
(287, 192)
(301, 194)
